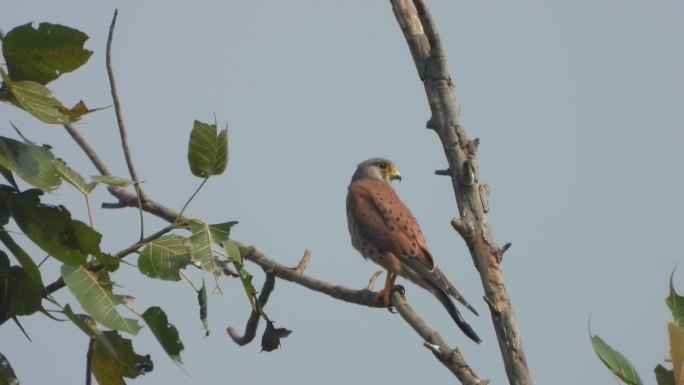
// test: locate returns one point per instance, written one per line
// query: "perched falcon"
(383, 230)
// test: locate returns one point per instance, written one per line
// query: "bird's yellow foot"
(384, 296)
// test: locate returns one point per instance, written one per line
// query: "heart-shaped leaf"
(99, 302)
(164, 257)
(207, 150)
(42, 54)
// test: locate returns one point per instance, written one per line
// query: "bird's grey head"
(378, 169)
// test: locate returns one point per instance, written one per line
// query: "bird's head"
(378, 169)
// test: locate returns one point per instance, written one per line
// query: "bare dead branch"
(253, 321)
(500, 253)
(445, 172)
(464, 229)
(452, 359)
(359, 297)
(89, 151)
(122, 127)
(424, 43)
(304, 261)
(373, 278)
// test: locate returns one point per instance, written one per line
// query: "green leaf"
(207, 150)
(166, 333)
(109, 370)
(113, 181)
(51, 227)
(107, 261)
(664, 376)
(615, 362)
(43, 54)
(164, 257)
(39, 101)
(676, 334)
(89, 327)
(203, 313)
(235, 257)
(87, 239)
(24, 259)
(73, 178)
(676, 303)
(32, 163)
(204, 241)
(7, 376)
(19, 294)
(96, 300)
(7, 174)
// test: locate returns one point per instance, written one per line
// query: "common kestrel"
(384, 230)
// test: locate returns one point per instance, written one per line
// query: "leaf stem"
(180, 214)
(187, 278)
(90, 214)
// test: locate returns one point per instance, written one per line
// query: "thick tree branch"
(472, 198)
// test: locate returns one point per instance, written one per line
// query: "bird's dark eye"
(383, 165)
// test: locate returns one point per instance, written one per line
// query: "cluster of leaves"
(34, 57)
(623, 369)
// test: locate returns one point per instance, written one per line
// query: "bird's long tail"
(443, 297)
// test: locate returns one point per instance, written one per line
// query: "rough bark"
(472, 197)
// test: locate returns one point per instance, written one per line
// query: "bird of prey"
(384, 230)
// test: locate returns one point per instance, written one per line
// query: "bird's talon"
(399, 289)
(390, 308)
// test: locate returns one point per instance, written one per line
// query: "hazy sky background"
(576, 104)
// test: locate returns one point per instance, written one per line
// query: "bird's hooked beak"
(393, 174)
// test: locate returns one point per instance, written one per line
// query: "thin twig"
(187, 279)
(180, 214)
(253, 321)
(122, 127)
(90, 212)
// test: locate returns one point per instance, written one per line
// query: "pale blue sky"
(577, 104)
